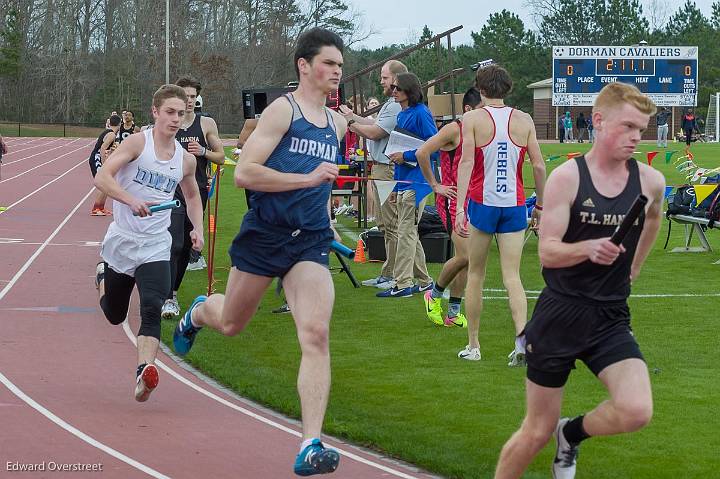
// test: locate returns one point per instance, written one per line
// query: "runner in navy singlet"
(289, 164)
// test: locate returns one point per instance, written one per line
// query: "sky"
(402, 21)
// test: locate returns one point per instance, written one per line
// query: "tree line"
(75, 60)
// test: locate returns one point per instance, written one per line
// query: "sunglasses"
(395, 88)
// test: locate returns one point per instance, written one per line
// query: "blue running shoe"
(316, 459)
(185, 332)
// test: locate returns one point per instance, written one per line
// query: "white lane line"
(44, 411)
(28, 148)
(78, 433)
(43, 186)
(43, 164)
(264, 420)
(42, 247)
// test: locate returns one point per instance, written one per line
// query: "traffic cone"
(359, 252)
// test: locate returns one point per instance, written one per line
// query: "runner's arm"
(190, 191)
(105, 148)
(215, 152)
(105, 181)
(251, 171)
(443, 139)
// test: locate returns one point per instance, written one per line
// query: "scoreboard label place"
(668, 74)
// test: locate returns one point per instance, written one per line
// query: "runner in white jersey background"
(496, 139)
(145, 170)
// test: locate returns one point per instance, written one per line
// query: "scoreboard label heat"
(667, 74)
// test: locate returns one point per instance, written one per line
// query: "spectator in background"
(416, 118)
(581, 125)
(561, 128)
(3, 148)
(591, 129)
(568, 127)
(378, 130)
(662, 127)
(689, 125)
(372, 206)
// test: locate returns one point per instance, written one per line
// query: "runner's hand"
(336, 235)
(324, 173)
(195, 148)
(446, 190)
(603, 251)
(141, 208)
(197, 240)
(461, 224)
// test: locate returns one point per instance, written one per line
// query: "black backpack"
(430, 222)
(681, 201)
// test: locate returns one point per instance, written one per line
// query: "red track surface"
(67, 375)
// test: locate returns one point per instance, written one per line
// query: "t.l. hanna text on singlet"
(304, 146)
(184, 140)
(604, 220)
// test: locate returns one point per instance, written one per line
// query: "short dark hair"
(311, 41)
(187, 80)
(115, 120)
(494, 80)
(472, 98)
(410, 84)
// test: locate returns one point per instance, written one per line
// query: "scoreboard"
(668, 75)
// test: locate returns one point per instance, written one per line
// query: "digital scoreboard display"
(668, 75)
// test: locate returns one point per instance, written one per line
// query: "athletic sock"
(306, 443)
(520, 342)
(174, 295)
(140, 369)
(574, 432)
(437, 291)
(454, 306)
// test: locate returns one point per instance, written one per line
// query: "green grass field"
(399, 388)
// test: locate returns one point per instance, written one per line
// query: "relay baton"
(164, 206)
(627, 222)
(342, 249)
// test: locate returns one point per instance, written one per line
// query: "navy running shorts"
(270, 250)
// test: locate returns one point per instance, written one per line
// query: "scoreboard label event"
(667, 74)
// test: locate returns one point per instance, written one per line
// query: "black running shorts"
(563, 329)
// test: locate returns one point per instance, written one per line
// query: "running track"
(67, 375)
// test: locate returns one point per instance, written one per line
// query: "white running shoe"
(516, 358)
(170, 308)
(565, 454)
(471, 354)
(146, 382)
(197, 265)
(386, 284)
(375, 281)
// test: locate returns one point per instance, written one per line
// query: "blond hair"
(168, 91)
(616, 94)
